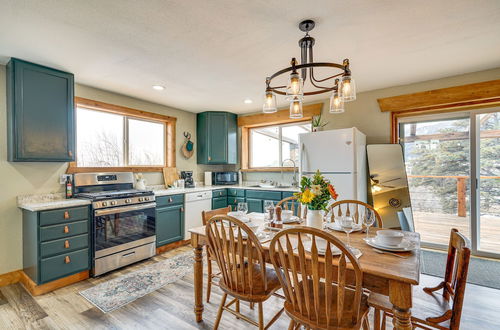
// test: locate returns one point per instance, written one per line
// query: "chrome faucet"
(295, 183)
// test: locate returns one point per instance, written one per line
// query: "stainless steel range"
(123, 219)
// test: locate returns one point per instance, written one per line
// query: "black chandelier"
(343, 88)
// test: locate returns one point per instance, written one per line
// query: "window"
(271, 145)
(109, 136)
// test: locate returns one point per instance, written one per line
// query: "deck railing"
(461, 188)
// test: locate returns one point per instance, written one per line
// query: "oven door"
(120, 228)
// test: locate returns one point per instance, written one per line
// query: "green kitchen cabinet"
(217, 138)
(169, 224)
(56, 243)
(169, 219)
(233, 202)
(40, 113)
(219, 202)
(255, 205)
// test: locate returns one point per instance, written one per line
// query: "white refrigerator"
(340, 155)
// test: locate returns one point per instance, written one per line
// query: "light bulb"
(336, 103)
(295, 87)
(269, 103)
(347, 88)
(296, 108)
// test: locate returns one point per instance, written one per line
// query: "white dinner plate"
(405, 245)
(293, 219)
(337, 227)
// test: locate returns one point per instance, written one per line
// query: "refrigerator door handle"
(301, 157)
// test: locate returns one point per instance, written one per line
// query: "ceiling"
(211, 55)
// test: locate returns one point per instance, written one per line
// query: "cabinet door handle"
(170, 200)
(67, 260)
(66, 215)
(66, 244)
(182, 209)
(209, 158)
(66, 229)
(70, 153)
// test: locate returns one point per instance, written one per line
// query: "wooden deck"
(435, 228)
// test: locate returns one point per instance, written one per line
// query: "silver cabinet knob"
(113, 202)
(104, 203)
(128, 200)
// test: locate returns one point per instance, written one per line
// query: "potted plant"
(315, 193)
(317, 124)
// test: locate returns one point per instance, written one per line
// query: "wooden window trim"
(452, 99)
(280, 117)
(170, 123)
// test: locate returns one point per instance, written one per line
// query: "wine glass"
(368, 220)
(347, 224)
(269, 209)
(242, 208)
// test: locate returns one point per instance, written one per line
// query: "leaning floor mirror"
(389, 185)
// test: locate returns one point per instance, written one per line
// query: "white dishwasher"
(195, 204)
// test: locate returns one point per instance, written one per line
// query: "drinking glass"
(243, 208)
(269, 209)
(368, 220)
(347, 224)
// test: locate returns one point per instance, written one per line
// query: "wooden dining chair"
(439, 307)
(244, 274)
(292, 203)
(355, 209)
(205, 216)
(321, 291)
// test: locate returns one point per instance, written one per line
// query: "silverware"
(390, 253)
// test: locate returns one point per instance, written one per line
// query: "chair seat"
(346, 318)
(258, 292)
(424, 306)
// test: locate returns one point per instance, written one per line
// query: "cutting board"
(170, 175)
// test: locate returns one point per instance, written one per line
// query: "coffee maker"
(188, 179)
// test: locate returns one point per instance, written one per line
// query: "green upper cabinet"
(217, 137)
(40, 107)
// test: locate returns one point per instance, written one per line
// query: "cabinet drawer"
(264, 194)
(63, 265)
(286, 194)
(235, 200)
(219, 193)
(55, 217)
(236, 192)
(64, 245)
(60, 231)
(169, 200)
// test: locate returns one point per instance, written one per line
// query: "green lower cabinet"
(255, 205)
(169, 224)
(219, 202)
(63, 265)
(233, 202)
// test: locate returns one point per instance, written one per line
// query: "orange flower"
(332, 191)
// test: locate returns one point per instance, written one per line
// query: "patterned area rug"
(121, 291)
(483, 272)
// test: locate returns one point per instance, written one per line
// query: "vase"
(314, 219)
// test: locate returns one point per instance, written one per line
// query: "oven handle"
(125, 209)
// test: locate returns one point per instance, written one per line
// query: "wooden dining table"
(382, 273)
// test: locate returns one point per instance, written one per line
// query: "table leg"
(400, 295)
(198, 277)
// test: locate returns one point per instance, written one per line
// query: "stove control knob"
(104, 204)
(113, 202)
(128, 200)
(141, 199)
(146, 198)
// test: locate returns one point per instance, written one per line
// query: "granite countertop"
(56, 201)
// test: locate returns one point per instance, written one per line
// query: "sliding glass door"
(453, 166)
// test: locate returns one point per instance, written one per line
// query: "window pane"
(146, 143)
(99, 139)
(290, 142)
(264, 147)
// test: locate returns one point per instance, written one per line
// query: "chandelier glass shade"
(303, 80)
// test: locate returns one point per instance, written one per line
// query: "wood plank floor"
(171, 307)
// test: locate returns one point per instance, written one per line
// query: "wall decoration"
(187, 148)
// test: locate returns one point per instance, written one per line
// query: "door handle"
(70, 153)
(128, 254)
(66, 215)
(182, 209)
(209, 158)
(66, 244)
(170, 200)
(66, 229)
(67, 260)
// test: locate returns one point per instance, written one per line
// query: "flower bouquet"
(315, 193)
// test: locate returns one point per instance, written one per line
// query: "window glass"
(290, 142)
(146, 142)
(99, 139)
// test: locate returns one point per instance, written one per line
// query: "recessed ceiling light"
(248, 101)
(158, 87)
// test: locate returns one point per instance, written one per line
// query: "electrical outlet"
(63, 178)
